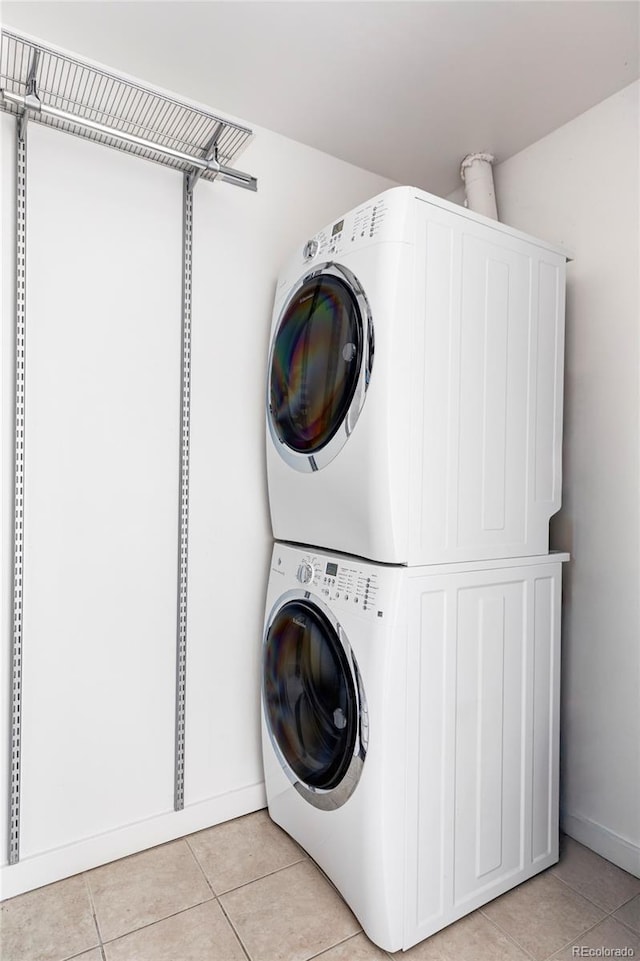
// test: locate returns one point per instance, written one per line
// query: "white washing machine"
(410, 729)
(414, 389)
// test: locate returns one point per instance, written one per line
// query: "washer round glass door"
(319, 368)
(314, 705)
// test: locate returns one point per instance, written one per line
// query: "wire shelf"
(90, 93)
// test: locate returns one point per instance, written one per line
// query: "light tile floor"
(244, 890)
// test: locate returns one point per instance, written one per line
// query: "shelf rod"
(227, 174)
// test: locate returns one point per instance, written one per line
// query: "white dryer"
(410, 729)
(414, 389)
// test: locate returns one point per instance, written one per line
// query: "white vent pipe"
(477, 175)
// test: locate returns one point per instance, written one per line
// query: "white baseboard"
(33, 872)
(609, 845)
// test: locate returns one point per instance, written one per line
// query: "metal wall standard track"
(18, 528)
(181, 664)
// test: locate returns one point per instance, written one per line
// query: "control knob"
(305, 572)
(310, 249)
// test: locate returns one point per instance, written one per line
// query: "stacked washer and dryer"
(410, 664)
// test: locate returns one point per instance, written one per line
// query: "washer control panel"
(340, 581)
(346, 583)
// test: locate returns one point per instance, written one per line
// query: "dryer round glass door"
(319, 368)
(314, 706)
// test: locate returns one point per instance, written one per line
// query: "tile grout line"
(511, 937)
(581, 935)
(150, 924)
(235, 931)
(315, 957)
(565, 944)
(627, 926)
(93, 911)
(623, 905)
(269, 874)
(571, 940)
(97, 947)
(337, 891)
(215, 897)
(305, 857)
(302, 860)
(628, 901)
(166, 917)
(200, 868)
(607, 914)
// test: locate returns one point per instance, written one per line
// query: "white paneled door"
(483, 696)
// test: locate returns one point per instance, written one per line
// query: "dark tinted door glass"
(309, 695)
(315, 365)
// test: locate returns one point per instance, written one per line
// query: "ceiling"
(405, 89)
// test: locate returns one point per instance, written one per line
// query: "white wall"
(579, 187)
(241, 242)
(102, 440)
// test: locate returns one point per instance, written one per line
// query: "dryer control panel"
(383, 218)
(387, 218)
(364, 224)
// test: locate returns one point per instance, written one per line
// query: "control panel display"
(337, 228)
(345, 586)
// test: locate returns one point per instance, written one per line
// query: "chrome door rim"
(308, 463)
(332, 798)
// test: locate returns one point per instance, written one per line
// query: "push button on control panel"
(351, 587)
